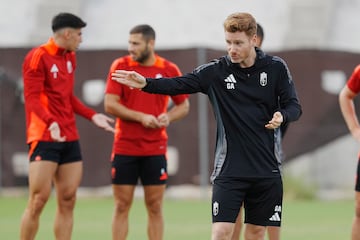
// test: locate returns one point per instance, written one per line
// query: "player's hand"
(55, 132)
(164, 119)
(356, 133)
(150, 121)
(276, 121)
(131, 79)
(103, 121)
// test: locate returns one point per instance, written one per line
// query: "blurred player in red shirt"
(140, 140)
(52, 136)
(347, 105)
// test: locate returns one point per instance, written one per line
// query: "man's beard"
(143, 56)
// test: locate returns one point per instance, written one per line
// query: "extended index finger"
(119, 73)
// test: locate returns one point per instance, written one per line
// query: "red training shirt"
(354, 80)
(131, 138)
(48, 75)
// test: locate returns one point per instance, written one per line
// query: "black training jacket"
(243, 101)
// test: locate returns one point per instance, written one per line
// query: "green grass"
(184, 219)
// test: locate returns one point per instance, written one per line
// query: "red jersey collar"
(159, 62)
(54, 49)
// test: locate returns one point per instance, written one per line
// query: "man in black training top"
(252, 95)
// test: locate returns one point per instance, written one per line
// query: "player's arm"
(99, 119)
(177, 112)
(186, 84)
(181, 102)
(113, 106)
(34, 81)
(80, 108)
(347, 106)
(290, 107)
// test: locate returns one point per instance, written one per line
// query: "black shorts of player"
(150, 170)
(357, 179)
(262, 198)
(59, 152)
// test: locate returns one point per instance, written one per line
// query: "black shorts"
(262, 198)
(151, 170)
(357, 179)
(59, 152)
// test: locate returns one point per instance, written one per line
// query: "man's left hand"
(103, 121)
(276, 121)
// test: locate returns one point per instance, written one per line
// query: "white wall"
(330, 24)
(331, 168)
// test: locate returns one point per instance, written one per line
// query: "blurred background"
(319, 40)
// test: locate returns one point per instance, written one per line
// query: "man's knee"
(66, 201)
(254, 232)
(222, 230)
(37, 203)
(154, 207)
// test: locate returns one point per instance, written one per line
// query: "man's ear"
(254, 39)
(67, 33)
(152, 43)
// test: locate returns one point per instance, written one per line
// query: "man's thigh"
(227, 198)
(123, 195)
(41, 174)
(153, 170)
(154, 193)
(263, 202)
(67, 178)
(125, 170)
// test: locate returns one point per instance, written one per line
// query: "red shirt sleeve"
(81, 109)
(34, 77)
(113, 87)
(354, 80)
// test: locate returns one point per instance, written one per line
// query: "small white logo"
(54, 70)
(230, 82)
(277, 208)
(263, 79)
(230, 78)
(276, 216)
(158, 75)
(215, 208)
(69, 67)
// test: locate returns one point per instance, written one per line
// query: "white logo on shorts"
(276, 216)
(215, 208)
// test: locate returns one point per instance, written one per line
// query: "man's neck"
(150, 61)
(250, 61)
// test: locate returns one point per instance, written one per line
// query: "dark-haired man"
(52, 136)
(140, 141)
